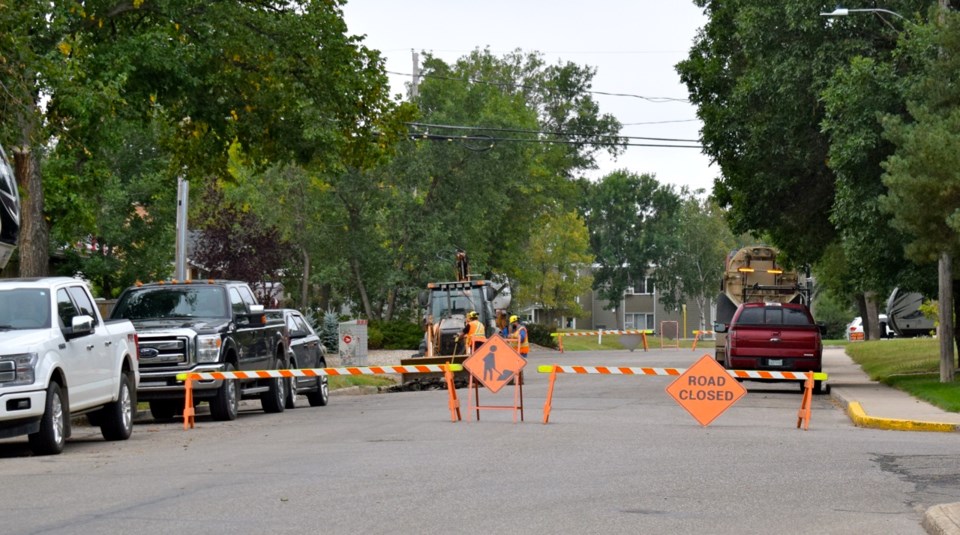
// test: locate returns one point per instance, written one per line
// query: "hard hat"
(514, 319)
(472, 314)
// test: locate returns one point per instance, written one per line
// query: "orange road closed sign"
(494, 363)
(705, 390)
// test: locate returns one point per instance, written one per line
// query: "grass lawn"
(909, 364)
(346, 381)
(612, 341)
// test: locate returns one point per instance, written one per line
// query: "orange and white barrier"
(697, 335)
(807, 377)
(189, 378)
(599, 334)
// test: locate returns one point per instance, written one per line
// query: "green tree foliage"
(632, 221)
(559, 267)
(693, 268)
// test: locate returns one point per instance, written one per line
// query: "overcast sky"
(633, 44)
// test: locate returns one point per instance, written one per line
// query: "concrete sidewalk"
(871, 404)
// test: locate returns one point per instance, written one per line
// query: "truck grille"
(163, 351)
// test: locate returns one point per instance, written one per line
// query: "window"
(236, 302)
(638, 321)
(65, 308)
(83, 302)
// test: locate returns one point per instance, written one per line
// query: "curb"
(860, 419)
(943, 519)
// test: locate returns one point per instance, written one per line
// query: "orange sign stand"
(705, 390)
(495, 364)
(188, 410)
(803, 416)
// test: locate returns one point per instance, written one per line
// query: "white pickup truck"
(59, 358)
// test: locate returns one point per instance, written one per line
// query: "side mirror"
(489, 292)
(423, 297)
(80, 326)
(719, 327)
(822, 327)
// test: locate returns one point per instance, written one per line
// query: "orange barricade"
(188, 378)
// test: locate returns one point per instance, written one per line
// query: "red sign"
(494, 363)
(347, 339)
(705, 390)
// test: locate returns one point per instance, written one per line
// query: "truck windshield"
(446, 303)
(173, 302)
(25, 308)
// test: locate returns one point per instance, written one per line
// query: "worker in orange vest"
(519, 336)
(473, 331)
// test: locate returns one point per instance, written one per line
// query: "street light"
(843, 12)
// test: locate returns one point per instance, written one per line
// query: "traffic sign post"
(705, 390)
(495, 364)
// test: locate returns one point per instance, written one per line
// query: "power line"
(543, 132)
(656, 100)
(492, 140)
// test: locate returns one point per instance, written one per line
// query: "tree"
(922, 176)
(632, 224)
(559, 259)
(694, 268)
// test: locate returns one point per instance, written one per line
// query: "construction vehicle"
(752, 275)
(445, 306)
(904, 314)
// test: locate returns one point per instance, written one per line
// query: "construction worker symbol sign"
(494, 363)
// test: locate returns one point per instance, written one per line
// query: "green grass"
(909, 364)
(612, 341)
(346, 381)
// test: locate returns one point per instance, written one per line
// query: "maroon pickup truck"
(774, 336)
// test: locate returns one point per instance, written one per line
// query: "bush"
(398, 334)
(374, 336)
(540, 335)
(329, 332)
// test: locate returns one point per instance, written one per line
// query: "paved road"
(618, 456)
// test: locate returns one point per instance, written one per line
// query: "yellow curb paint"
(860, 418)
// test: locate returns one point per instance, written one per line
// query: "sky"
(632, 44)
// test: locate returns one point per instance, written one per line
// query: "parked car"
(305, 351)
(856, 326)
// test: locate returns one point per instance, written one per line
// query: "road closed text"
(706, 388)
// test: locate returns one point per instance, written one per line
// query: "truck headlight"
(18, 369)
(208, 348)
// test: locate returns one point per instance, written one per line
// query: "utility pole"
(416, 75)
(183, 196)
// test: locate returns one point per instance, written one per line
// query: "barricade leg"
(452, 390)
(696, 337)
(188, 410)
(560, 341)
(546, 406)
(803, 416)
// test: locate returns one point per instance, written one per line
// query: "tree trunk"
(34, 234)
(946, 318)
(871, 322)
(355, 265)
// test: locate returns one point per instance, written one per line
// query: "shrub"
(329, 332)
(399, 334)
(540, 335)
(374, 336)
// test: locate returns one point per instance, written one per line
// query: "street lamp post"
(843, 12)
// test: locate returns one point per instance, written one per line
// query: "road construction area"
(619, 455)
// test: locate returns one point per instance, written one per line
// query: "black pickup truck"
(203, 326)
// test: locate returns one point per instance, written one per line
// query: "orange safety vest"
(524, 340)
(475, 330)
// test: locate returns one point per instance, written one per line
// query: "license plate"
(775, 362)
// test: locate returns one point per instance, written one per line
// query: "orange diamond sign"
(494, 363)
(705, 390)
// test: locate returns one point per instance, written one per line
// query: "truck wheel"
(274, 399)
(116, 420)
(292, 388)
(50, 438)
(321, 396)
(164, 410)
(225, 406)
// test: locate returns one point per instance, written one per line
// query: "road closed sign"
(705, 390)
